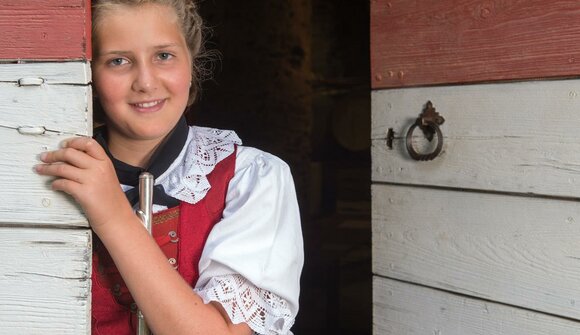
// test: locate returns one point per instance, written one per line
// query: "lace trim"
(263, 311)
(186, 179)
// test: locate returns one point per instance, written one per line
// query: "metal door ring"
(409, 141)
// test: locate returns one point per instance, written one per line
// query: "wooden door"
(45, 97)
(484, 238)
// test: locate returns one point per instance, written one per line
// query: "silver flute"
(145, 213)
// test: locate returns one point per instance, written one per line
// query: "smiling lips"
(149, 106)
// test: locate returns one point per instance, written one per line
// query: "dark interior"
(292, 78)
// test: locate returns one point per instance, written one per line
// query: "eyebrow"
(164, 46)
(114, 52)
(125, 52)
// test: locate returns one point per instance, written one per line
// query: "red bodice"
(181, 232)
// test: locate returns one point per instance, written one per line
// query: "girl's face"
(141, 72)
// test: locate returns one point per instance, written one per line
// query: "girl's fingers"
(78, 152)
(88, 145)
(60, 170)
(70, 156)
(65, 185)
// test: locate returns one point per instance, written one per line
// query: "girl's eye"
(117, 62)
(164, 55)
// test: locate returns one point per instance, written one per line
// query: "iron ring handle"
(409, 141)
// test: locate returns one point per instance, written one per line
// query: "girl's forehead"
(150, 23)
(146, 10)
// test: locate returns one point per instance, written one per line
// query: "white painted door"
(45, 97)
(485, 238)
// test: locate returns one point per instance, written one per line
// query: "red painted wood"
(457, 41)
(45, 29)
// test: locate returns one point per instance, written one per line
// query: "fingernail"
(43, 156)
(63, 144)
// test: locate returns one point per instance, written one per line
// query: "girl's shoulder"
(253, 158)
(186, 178)
(213, 142)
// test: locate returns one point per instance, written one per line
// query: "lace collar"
(186, 178)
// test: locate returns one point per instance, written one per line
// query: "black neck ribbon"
(160, 161)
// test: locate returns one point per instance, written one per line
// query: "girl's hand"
(83, 170)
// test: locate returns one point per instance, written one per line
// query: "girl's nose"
(145, 79)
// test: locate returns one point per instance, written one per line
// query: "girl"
(226, 252)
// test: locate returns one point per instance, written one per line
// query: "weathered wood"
(36, 119)
(45, 29)
(58, 108)
(515, 137)
(516, 250)
(404, 309)
(45, 282)
(73, 73)
(61, 103)
(449, 41)
(26, 197)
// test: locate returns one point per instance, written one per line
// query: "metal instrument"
(145, 213)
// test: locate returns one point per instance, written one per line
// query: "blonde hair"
(191, 25)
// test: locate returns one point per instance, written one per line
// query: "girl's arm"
(83, 170)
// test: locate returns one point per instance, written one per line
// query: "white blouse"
(253, 257)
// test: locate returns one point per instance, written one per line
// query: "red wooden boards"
(429, 42)
(45, 29)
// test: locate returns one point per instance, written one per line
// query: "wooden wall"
(45, 29)
(45, 243)
(425, 42)
(484, 238)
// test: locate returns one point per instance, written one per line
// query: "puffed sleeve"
(253, 257)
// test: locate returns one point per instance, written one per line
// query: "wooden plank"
(516, 250)
(404, 309)
(456, 41)
(26, 197)
(72, 73)
(61, 103)
(36, 119)
(45, 29)
(59, 108)
(515, 137)
(45, 281)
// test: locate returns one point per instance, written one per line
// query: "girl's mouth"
(149, 106)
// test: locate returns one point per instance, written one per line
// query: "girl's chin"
(151, 136)
(145, 134)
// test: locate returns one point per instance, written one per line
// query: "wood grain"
(513, 137)
(71, 73)
(516, 250)
(45, 29)
(45, 285)
(61, 107)
(404, 309)
(447, 41)
(26, 197)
